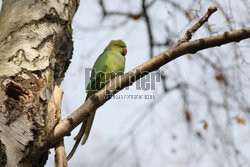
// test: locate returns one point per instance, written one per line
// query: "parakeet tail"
(85, 130)
(78, 139)
(73, 150)
(88, 127)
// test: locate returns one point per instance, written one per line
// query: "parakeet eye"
(124, 51)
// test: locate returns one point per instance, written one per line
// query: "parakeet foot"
(113, 76)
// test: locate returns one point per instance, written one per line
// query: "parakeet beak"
(124, 51)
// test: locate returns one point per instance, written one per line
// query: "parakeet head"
(117, 45)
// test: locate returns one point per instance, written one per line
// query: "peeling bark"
(35, 51)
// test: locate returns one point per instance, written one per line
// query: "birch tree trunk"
(35, 51)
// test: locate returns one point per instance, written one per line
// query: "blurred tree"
(208, 90)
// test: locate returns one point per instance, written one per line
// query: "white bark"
(35, 50)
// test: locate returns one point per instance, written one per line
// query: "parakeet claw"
(112, 77)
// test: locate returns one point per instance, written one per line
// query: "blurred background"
(200, 114)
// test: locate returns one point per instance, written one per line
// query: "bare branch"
(105, 13)
(120, 82)
(193, 29)
(148, 24)
(60, 155)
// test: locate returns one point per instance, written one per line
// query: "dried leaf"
(198, 133)
(135, 17)
(188, 115)
(205, 125)
(219, 77)
(240, 120)
(187, 16)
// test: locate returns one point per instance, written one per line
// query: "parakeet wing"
(97, 73)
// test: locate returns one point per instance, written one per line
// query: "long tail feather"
(85, 130)
(78, 139)
(88, 127)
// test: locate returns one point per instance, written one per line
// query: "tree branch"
(55, 110)
(149, 29)
(115, 85)
(204, 19)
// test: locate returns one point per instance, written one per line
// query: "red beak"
(124, 51)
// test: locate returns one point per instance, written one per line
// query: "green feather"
(109, 63)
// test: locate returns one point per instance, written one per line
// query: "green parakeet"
(111, 62)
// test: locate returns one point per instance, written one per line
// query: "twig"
(105, 13)
(193, 29)
(148, 24)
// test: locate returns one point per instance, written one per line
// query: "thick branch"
(95, 101)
